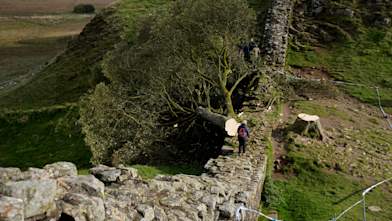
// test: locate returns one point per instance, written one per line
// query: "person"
(252, 44)
(246, 51)
(243, 135)
(256, 52)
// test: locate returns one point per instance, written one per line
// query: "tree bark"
(230, 125)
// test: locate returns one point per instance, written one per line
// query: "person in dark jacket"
(243, 136)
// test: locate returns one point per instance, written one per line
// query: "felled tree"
(183, 58)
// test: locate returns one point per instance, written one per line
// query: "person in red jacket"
(243, 136)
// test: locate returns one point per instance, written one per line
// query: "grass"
(321, 179)
(367, 60)
(314, 193)
(39, 137)
(313, 108)
(149, 171)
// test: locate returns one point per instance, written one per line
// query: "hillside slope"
(347, 40)
(78, 69)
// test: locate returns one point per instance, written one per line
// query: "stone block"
(38, 195)
(11, 209)
(61, 169)
(82, 207)
(88, 185)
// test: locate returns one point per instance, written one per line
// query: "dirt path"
(278, 140)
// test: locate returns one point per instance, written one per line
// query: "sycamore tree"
(184, 57)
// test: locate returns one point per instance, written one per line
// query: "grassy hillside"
(46, 133)
(78, 69)
(349, 41)
(28, 43)
(315, 180)
(35, 138)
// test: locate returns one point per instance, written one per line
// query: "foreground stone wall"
(119, 194)
(276, 32)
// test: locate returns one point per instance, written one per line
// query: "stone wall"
(276, 32)
(119, 194)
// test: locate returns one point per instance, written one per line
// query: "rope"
(348, 209)
(374, 186)
(366, 191)
(382, 109)
(238, 213)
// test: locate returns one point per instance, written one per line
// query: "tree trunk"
(310, 126)
(229, 104)
(230, 125)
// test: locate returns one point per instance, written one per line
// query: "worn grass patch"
(36, 138)
(312, 107)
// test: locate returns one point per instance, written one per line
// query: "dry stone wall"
(119, 194)
(276, 32)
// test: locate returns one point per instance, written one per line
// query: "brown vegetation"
(21, 7)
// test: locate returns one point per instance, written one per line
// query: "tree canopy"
(183, 58)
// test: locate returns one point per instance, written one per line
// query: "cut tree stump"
(230, 125)
(310, 126)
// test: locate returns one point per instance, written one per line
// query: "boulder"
(227, 210)
(147, 212)
(38, 195)
(82, 207)
(160, 214)
(375, 209)
(106, 174)
(128, 173)
(120, 210)
(81, 184)
(10, 174)
(35, 174)
(11, 209)
(172, 201)
(61, 169)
